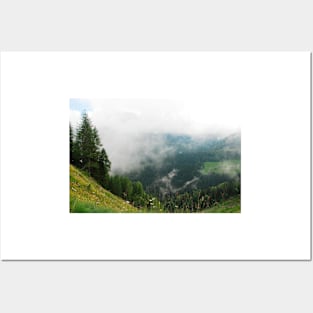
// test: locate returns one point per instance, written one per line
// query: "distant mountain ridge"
(181, 169)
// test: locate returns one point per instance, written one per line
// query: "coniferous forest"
(196, 176)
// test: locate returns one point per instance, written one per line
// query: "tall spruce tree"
(127, 187)
(91, 156)
(104, 165)
(87, 144)
(116, 186)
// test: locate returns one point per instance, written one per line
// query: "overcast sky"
(123, 124)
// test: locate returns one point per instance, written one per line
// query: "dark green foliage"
(130, 191)
(138, 189)
(102, 173)
(127, 188)
(87, 153)
(116, 186)
(74, 153)
(139, 197)
(200, 200)
(88, 144)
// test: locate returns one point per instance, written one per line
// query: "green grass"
(77, 206)
(221, 167)
(86, 196)
(231, 205)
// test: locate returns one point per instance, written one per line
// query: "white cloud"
(124, 124)
(74, 117)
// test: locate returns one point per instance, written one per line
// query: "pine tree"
(88, 153)
(88, 144)
(106, 161)
(127, 187)
(116, 186)
(102, 173)
(138, 189)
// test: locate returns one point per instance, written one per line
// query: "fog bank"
(131, 130)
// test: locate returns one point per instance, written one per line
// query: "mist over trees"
(88, 154)
(179, 184)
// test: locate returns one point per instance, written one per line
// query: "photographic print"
(194, 148)
(153, 156)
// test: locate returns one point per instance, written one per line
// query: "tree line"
(88, 154)
(200, 199)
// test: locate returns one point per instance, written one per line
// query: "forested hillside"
(198, 175)
(194, 164)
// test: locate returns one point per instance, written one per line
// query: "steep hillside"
(86, 196)
(191, 163)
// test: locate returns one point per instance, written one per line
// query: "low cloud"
(131, 130)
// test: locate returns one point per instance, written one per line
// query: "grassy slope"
(86, 196)
(231, 205)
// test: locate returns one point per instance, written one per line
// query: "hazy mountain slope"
(189, 165)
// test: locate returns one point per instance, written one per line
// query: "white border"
(272, 90)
